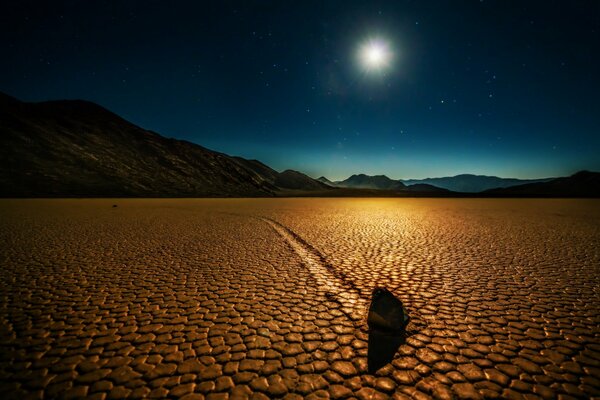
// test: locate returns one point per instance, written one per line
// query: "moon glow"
(375, 55)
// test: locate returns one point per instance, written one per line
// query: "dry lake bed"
(262, 298)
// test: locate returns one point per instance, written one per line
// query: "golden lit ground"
(263, 297)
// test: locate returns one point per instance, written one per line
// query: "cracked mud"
(263, 298)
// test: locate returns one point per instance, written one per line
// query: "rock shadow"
(387, 322)
(383, 346)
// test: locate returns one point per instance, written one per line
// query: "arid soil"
(238, 298)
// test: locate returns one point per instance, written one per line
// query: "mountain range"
(468, 183)
(464, 183)
(581, 184)
(76, 148)
(381, 182)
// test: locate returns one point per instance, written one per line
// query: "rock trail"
(354, 303)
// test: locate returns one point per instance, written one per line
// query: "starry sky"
(506, 88)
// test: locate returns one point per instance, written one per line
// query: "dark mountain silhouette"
(382, 182)
(581, 184)
(468, 183)
(290, 179)
(363, 181)
(326, 181)
(78, 148)
(423, 187)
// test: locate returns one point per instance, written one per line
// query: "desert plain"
(264, 298)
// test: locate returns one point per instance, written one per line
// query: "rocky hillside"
(78, 148)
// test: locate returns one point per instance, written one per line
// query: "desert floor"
(218, 298)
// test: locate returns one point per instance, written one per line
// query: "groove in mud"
(353, 303)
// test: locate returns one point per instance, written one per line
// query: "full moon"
(375, 55)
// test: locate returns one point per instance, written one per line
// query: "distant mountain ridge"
(468, 183)
(381, 182)
(75, 148)
(362, 181)
(326, 181)
(78, 148)
(465, 183)
(581, 184)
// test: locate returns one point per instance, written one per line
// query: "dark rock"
(386, 312)
(387, 322)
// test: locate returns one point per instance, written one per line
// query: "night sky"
(506, 88)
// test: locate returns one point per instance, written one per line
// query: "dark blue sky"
(507, 88)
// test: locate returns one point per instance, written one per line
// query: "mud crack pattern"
(181, 299)
(353, 303)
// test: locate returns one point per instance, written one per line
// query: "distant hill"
(383, 183)
(581, 184)
(78, 148)
(468, 183)
(363, 181)
(290, 179)
(424, 188)
(326, 181)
